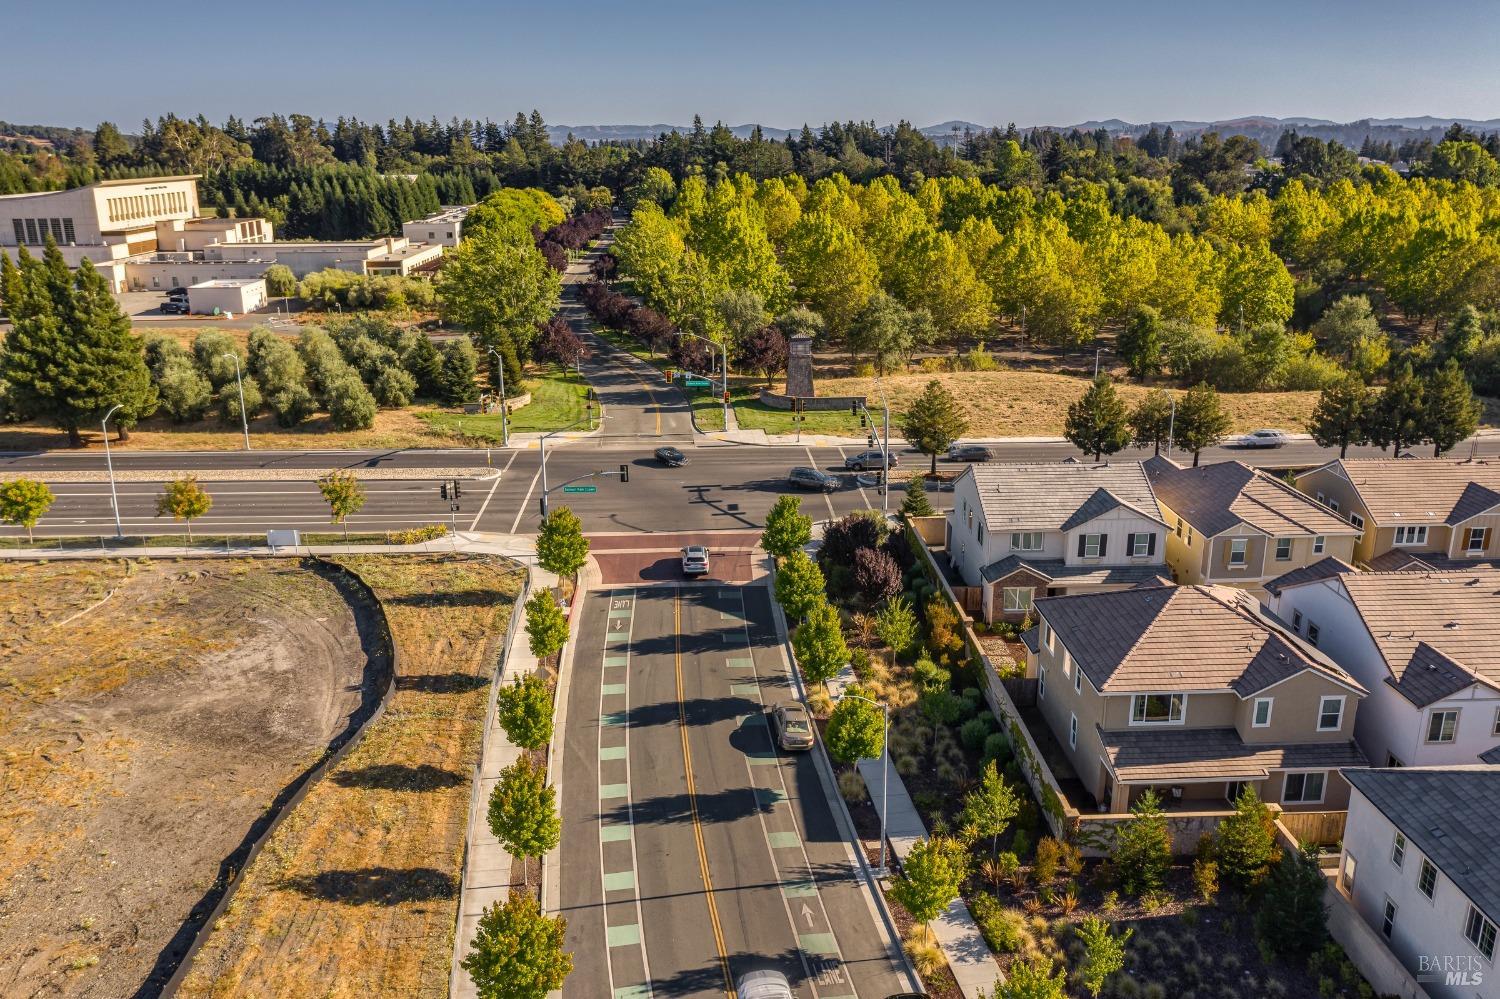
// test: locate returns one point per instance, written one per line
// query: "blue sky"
(776, 62)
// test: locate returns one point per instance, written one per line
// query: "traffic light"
(457, 492)
(624, 473)
(853, 407)
(669, 374)
(726, 397)
(443, 490)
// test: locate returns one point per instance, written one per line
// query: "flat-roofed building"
(444, 228)
(236, 297)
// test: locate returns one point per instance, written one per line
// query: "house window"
(1333, 504)
(1330, 714)
(1142, 545)
(1297, 621)
(1427, 878)
(1319, 543)
(1303, 788)
(1156, 709)
(970, 515)
(1356, 519)
(1091, 546)
(1398, 849)
(1283, 549)
(1041, 683)
(1018, 599)
(1388, 919)
(1072, 731)
(1026, 541)
(1047, 635)
(1078, 681)
(1442, 726)
(1262, 715)
(1237, 548)
(1179, 527)
(1480, 932)
(1312, 634)
(1190, 535)
(1411, 534)
(981, 534)
(1322, 499)
(1476, 539)
(1393, 761)
(1495, 729)
(1234, 789)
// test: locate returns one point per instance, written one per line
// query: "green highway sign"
(580, 489)
(698, 383)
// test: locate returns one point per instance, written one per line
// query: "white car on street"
(1262, 438)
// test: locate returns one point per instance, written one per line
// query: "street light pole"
(724, 381)
(885, 778)
(590, 418)
(1171, 426)
(504, 409)
(114, 497)
(1097, 352)
(244, 419)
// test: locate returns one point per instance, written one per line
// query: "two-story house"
(1019, 531)
(1236, 525)
(1420, 867)
(1425, 643)
(1195, 691)
(1434, 512)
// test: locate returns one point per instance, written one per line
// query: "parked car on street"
(764, 985)
(868, 459)
(671, 457)
(695, 560)
(1261, 438)
(791, 725)
(969, 452)
(804, 477)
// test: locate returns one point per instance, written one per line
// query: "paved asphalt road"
(671, 783)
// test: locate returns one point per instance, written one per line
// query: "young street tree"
(1201, 420)
(1151, 420)
(1341, 416)
(916, 503)
(344, 496)
(523, 810)
(991, 806)
(518, 952)
(524, 710)
(934, 421)
(1098, 423)
(183, 499)
(1031, 979)
(1103, 953)
(856, 729)
(819, 643)
(930, 877)
(1142, 851)
(23, 502)
(787, 527)
(1451, 411)
(799, 585)
(561, 547)
(546, 625)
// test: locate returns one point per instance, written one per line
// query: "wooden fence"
(1322, 828)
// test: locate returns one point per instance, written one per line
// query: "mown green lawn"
(752, 414)
(558, 398)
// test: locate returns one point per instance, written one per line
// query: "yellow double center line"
(687, 766)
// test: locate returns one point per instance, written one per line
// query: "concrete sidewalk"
(969, 957)
(517, 546)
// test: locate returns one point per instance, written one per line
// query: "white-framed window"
(1393, 762)
(1427, 878)
(1319, 543)
(1179, 527)
(1091, 546)
(1078, 681)
(1018, 599)
(1398, 849)
(1025, 541)
(1322, 499)
(1141, 545)
(1388, 918)
(1297, 621)
(1303, 787)
(1442, 726)
(1190, 535)
(1047, 635)
(1041, 683)
(1312, 634)
(1158, 709)
(1283, 549)
(1333, 504)
(1067, 663)
(1072, 731)
(1480, 932)
(1356, 519)
(1237, 548)
(1330, 713)
(1476, 539)
(1495, 728)
(1261, 715)
(1410, 534)
(1234, 789)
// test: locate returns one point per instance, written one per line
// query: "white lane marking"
(862, 497)
(521, 509)
(811, 461)
(491, 494)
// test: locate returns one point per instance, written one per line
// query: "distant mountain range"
(1262, 127)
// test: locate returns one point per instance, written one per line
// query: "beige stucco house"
(1434, 510)
(1237, 525)
(1194, 691)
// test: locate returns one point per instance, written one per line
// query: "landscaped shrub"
(848, 535)
(350, 404)
(929, 676)
(227, 401)
(185, 394)
(1004, 929)
(209, 348)
(974, 732)
(394, 387)
(1292, 920)
(1045, 865)
(1206, 879)
(852, 786)
(997, 748)
(292, 405)
(897, 627)
(416, 535)
(940, 707)
(876, 575)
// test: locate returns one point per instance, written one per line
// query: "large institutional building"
(148, 234)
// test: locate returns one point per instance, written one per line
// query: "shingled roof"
(1422, 490)
(1216, 754)
(1324, 568)
(1217, 496)
(1044, 496)
(1179, 638)
(1440, 619)
(1450, 814)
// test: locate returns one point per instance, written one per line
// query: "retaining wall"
(816, 403)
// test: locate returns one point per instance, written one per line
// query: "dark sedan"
(671, 457)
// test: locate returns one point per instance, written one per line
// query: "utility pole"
(244, 417)
(114, 497)
(504, 409)
(590, 418)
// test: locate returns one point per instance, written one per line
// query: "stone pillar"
(799, 376)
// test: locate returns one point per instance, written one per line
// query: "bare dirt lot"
(149, 716)
(356, 893)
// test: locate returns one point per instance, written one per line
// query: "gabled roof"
(1043, 496)
(1420, 490)
(1214, 498)
(1216, 754)
(1325, 568)
(1097, 505)
(1180, 638)
(1431, 676)
(1450, 814)
(1455, 615)
(1401, 560)
(1083, 574)
(1491, 757)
